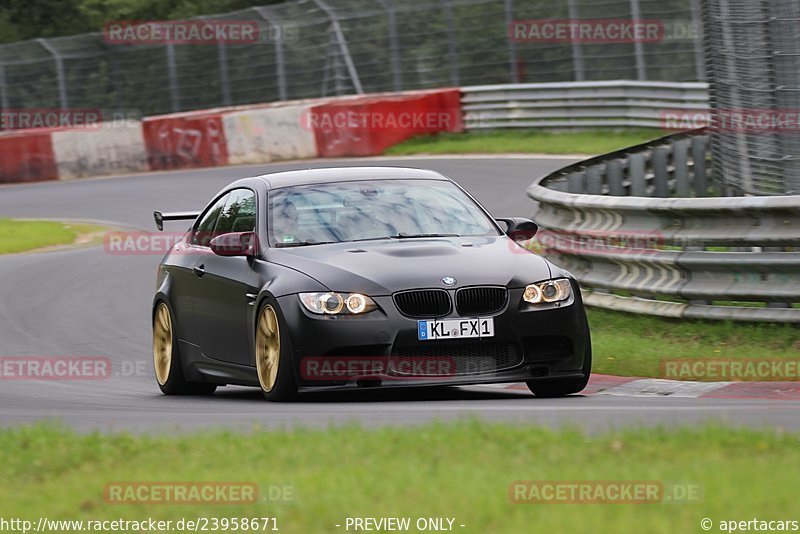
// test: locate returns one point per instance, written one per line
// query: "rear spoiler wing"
(175, 216)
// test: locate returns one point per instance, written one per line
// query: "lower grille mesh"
(454, 360)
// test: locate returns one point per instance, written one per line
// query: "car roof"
(339, 174)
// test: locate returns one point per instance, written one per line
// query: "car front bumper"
(529, 343)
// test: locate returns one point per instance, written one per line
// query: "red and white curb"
(622, 386)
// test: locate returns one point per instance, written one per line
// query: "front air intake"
(477, 301)
(423, 303)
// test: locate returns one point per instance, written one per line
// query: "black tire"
(175, 382)
(284, 388)
(566, 386)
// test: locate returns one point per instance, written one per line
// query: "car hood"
(379, 268)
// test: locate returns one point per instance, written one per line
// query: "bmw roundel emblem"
(449, 281)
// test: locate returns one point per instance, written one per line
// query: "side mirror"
(519, 229)
(235, 244)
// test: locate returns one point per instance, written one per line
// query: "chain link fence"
(314, 48)
(754, 61)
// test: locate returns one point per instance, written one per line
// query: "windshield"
(382, 209)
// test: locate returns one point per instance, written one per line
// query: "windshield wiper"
(377, 238)
(414, 236)
(303, 243)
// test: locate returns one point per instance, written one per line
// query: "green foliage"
(31, 19)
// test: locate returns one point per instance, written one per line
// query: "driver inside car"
(284, 224)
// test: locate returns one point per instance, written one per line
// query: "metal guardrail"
(624, 225)
(619, 103)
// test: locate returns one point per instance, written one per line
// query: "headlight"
(550, 291)
(337, 303)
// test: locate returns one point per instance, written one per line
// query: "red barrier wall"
(185, 140)
(346, 126)
(27, 156)
(369, 125)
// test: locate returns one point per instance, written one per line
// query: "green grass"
(634, 345)
(597, 141)
(23, 236)
(462, 470)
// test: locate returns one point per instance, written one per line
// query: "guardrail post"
(776, 304)
(638, 48)
(394, 47)
(3, 90)
(224, 79)
(694, 248)
(120, 96)
(699, 176)
(636, 174)
(660, 178)
(680, 159)
(576, 183)
(280, 65)
(172, 75)
(339, 34)
(594, 180)
(62, 85)
(699, 52)
(577, 48)
(222, 57)
(512, 46)
(455, 77)
(614, 175)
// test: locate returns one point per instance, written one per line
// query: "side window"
(203, 234)
(239, 213)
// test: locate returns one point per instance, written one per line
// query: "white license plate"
(455, 329)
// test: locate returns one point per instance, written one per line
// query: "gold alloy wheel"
(268, 348)
(162, 343)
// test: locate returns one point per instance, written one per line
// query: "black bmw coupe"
(361, 277)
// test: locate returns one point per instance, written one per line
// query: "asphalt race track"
(85, 302)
